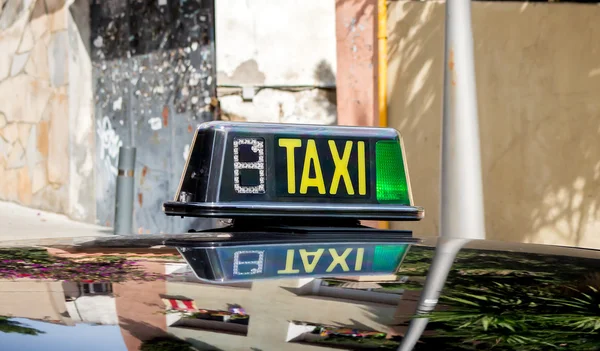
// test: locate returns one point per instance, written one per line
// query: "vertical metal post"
(125, 191)
(462, 192)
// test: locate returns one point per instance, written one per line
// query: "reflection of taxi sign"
(283, 170)
(240, 260)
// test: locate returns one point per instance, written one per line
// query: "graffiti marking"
(186, 152)
(155, 123)
(110, 142)
(118, 104)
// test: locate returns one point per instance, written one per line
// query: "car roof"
(128, 294)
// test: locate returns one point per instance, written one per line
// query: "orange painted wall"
(138, 304)
(356, 81)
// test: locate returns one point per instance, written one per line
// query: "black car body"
(119, 293)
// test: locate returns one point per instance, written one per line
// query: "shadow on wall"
(362, 10)
(315, 103)
(11, 9)
(327, 98)
(201, 345)
(415, 70)
(140, 329)
(537, 81)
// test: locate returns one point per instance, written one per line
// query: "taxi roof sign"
(289, 170)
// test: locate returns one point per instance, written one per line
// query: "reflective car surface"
(140, 294)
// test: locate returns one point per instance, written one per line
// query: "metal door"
(154, 75)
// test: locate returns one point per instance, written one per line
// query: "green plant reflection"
(512, 301)
(166, 343)
(11, 326)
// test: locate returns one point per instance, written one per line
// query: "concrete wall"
(266, 43)
(538, 77)
(99, 309)
(34, 300)
(82, 179)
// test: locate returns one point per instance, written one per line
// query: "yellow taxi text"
(312, 161)
(311, 259)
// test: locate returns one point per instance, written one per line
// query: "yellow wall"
(33, 299)
(538, 82)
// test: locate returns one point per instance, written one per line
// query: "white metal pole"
(461, 187)
(462, 193)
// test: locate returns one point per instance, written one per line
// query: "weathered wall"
(154, 76)
(538, 77)
(34, 105)
(82, 180)
(277, 43)
(357, 61)
(356, 39)
(77, 81)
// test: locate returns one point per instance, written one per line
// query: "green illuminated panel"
(387, 257)
(392, 186)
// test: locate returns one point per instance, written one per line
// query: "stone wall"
(34, 119)
(45, 116)
(76, 74)
(81, 77)
(538, 77)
